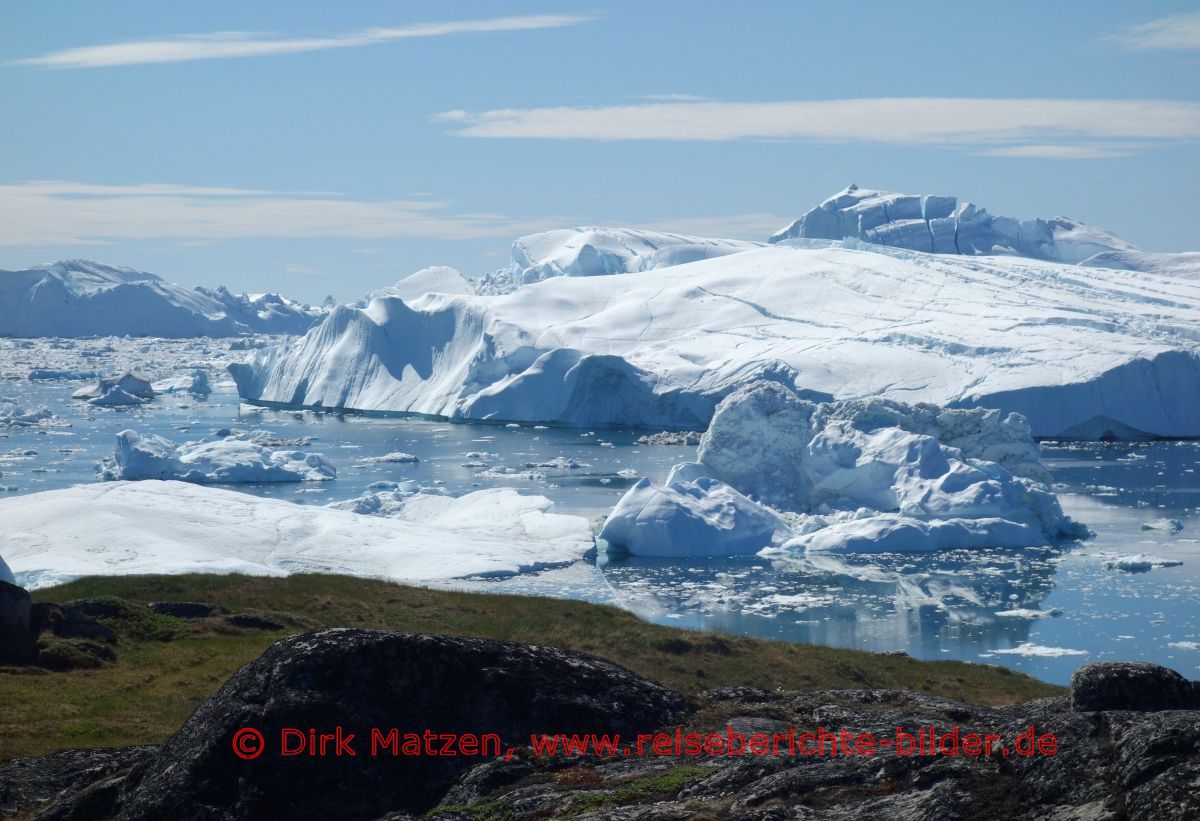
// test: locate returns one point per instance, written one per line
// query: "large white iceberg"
(224, 461)
(1086, 352)
(857, 476)
(121, 528)
(77, 298)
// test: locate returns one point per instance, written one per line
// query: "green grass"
(166, 667)
(637, 790)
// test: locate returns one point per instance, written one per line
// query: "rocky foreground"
(1127, 745)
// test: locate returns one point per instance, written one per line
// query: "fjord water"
(1060, 606)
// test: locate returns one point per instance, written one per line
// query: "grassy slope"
(155, 685)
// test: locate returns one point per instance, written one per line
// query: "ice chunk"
(128, 383)
(6, 575)
(703, 517)
(1167, 525)
(14, 416)
(1139, 563)
(396, 456)
(194, 382)
(230, 460)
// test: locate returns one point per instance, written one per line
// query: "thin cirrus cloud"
(44, 213)
(57, 213)
(229, 44)
(1178, 32)
(1025, 127)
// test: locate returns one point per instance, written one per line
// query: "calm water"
(939, 606)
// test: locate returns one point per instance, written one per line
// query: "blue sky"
(313, 148)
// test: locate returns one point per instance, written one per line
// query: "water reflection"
(927, 604)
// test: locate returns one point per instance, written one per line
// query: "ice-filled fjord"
(869, 477)
(943, 604)
(859, 476)
(1078, 351)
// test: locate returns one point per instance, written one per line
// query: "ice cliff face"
(1078, 351)
(942, 225)
(587, 252)
(78, 298)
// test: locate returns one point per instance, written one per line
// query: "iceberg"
(79, 298)
(6, 575)
(942, 225)
(194, 382)
(128, 383)
(115, 398)
(702, 517)
(857, 476)
(225, 461)
(122, 528)
(1071, 349)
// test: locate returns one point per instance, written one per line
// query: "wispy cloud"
(226, 44)
(938, 121)
(1178, 32)
(1064, 151)
(72, 213)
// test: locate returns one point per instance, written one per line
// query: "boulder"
(363, 679)
(1130, 685)
(183, 609)
(16, 641)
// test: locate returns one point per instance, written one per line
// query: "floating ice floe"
(1028, 613)
(1166, 525)
(121, 528)
(231, 460)
(14, 416)
(194, 382)
(116, 391)
(396, 456)
(1139, 563)
(857, 476)
(1185, 645)
(1039, 651)
(117, 397)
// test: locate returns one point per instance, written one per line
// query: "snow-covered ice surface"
(228, 460)
(172, 527)
(1076, 350)
(939, 605)
(81, 298)
(589, 252)
(436, 279)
